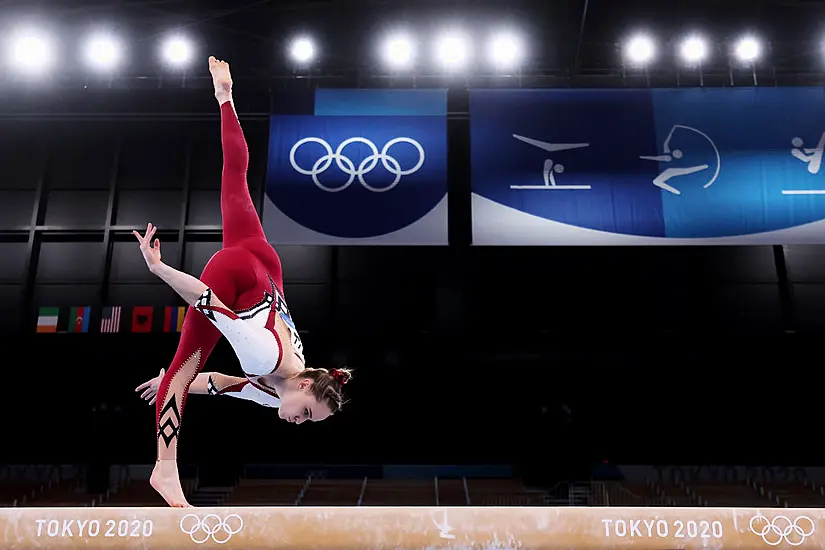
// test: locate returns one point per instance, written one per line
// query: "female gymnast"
(240, 296)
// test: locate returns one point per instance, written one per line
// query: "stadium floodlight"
(31, 51)
(506, 50)
(398, 51)
(177, 51)
(102, 52)
(639, 50)
(748, 49)
(694, 50)
(452, 50)
(302, 50)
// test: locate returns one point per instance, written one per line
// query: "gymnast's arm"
(215, 383)
(188, 287)
(206, 383)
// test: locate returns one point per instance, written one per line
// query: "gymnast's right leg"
(239, 219)
(229, 275)
(240, 222)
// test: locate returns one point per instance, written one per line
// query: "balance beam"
(392, 528)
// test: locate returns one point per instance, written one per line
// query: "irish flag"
(47, 319)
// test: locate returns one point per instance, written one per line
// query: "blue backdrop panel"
(333, 102)
(357, 179)
(753, 130)
(694, 166)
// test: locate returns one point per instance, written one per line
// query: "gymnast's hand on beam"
(150, 250)
(150, 388)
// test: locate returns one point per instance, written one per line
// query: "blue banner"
(376, 177)
(638, 167)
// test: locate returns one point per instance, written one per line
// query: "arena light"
(639, 50)
(31, 51)
(452, 50)
(694, 50)
(102, 52)
(506, 50)
(177, 51)
(302, 50)
(748, 49)
(398, 51)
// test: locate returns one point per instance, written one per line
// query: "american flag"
(111, 319)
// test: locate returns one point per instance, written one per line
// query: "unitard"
(246, 276)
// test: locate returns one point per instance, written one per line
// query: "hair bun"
(341, 376)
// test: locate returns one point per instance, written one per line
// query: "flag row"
(110, 319)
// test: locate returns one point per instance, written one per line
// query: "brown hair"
(328, 386)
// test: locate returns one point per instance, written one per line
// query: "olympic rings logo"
(782, 529)
(212, 526)
(348, 167)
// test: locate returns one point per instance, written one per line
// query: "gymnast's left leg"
(198, 338)
(229, 275)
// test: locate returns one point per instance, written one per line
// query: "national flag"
(173, 318)
(47, 319)
(110, 321)
(142, 318)
(79, 319)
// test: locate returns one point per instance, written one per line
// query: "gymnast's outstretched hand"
(150, 250)
(150, 388)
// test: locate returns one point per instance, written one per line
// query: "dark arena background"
(578, 271)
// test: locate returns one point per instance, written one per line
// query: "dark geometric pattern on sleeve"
(203, 304)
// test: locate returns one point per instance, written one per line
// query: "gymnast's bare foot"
(166, 481)
(221, 78)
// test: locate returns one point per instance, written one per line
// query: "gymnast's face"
(298, 405)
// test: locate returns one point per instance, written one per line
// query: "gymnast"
(240, 296)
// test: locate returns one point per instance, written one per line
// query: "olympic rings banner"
(367, 167)
(648, 167)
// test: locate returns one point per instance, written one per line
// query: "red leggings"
(238, 274)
